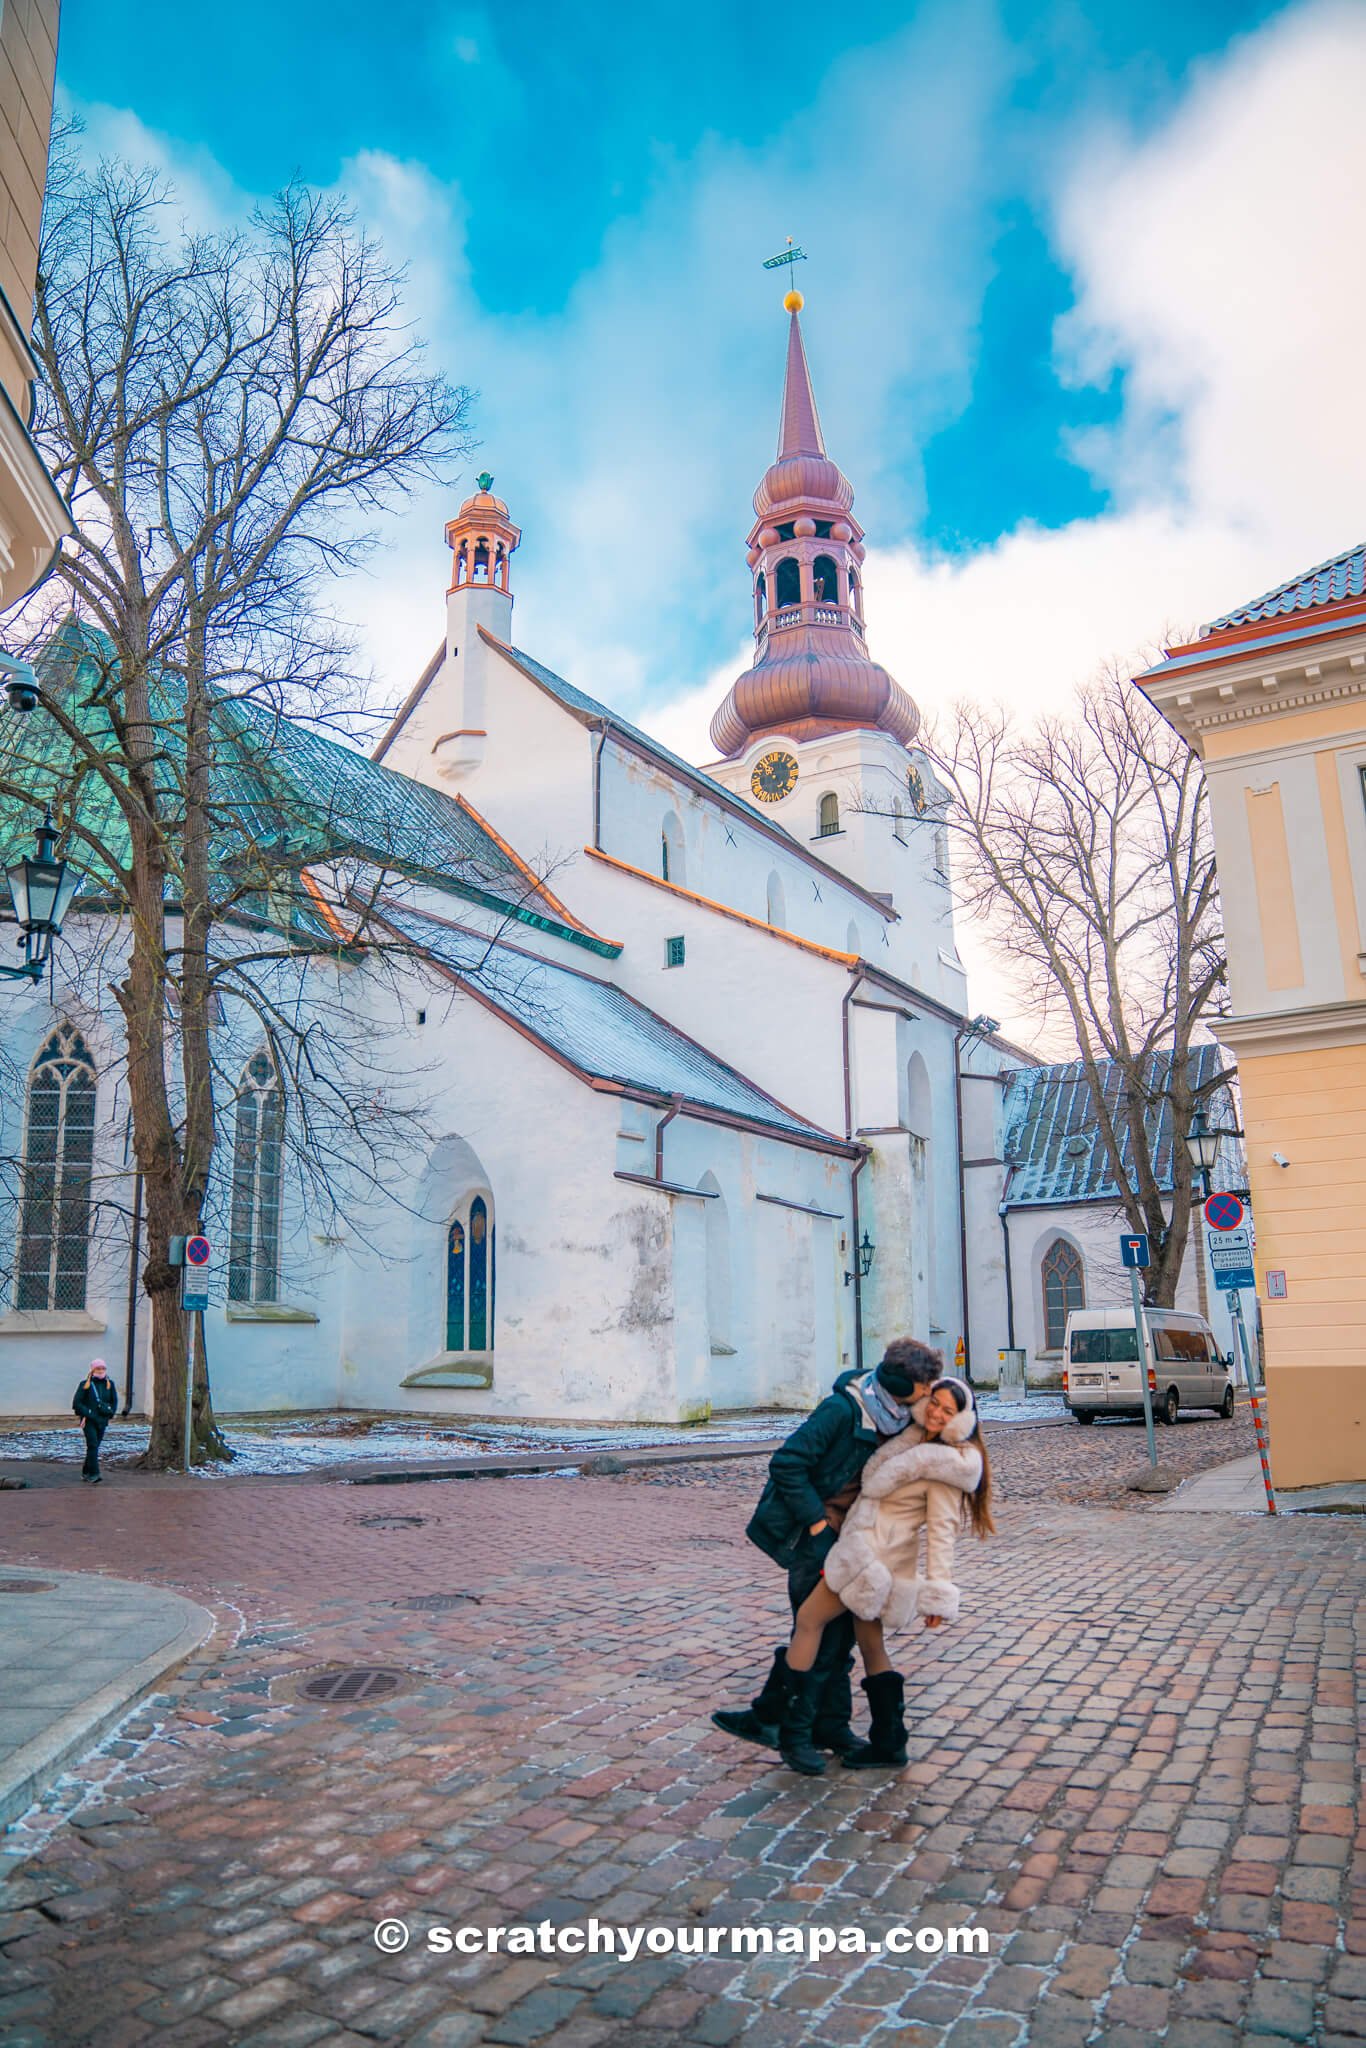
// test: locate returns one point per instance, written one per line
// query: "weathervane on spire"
(793, 301)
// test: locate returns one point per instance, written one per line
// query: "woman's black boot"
(759, 1721)
(886, 1744)
(799, 1752)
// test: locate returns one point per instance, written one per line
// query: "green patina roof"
(284, 796)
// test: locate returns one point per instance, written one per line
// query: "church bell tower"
(815, 727)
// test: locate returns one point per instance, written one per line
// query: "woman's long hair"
(976, 1505)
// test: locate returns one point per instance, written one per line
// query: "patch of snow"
(312, 1443)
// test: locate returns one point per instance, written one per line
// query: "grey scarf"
(887, 1416)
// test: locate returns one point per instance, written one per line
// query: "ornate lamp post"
(1203, 1146)
(41, 889)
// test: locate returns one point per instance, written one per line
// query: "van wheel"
(1226, 1405)
(1084, 1414)
(1171, 1406)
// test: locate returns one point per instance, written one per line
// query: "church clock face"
(774, 777)
(916, 785)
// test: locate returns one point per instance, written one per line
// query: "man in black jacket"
(96, 1401)
(812, 1481)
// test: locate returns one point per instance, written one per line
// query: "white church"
(706, 1113)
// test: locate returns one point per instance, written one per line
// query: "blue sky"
(1035, 235)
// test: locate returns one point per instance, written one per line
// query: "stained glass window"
(258, 1140)
(59, 1146)
(455, 1287)
(470, 1278)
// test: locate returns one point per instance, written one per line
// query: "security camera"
(1279, 1159)
(21, 685)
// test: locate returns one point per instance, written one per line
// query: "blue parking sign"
(1133, 1249)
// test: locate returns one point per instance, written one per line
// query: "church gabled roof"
(599, 1030)
(1053, 1146)
(280, 790)
(590, 712)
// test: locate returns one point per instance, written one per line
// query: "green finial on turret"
(484, 481)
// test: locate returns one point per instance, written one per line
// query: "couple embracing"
(891, 1459)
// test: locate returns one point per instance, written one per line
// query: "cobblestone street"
(1132, 1764)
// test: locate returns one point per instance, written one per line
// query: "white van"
(1100, 1365)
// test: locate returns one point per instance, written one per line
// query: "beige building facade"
(33, 517)
(1273, 699)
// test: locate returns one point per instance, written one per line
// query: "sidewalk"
(1236, 1489)
(79, 1650)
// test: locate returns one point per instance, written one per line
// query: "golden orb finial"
(793, 303)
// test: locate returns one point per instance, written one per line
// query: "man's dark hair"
(907, 1363)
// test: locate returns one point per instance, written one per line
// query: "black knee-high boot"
(886, 1744)
(799, 1752)
(760, 1720)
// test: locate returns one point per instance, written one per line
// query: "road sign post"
(1235, 1303)
(195, 1262)
(1133, 1250)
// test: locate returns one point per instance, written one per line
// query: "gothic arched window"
(825, 580)
(470, 1277)
(257, 1146)
(829, 814)
(1064, 1288)
(760, 600)
(672, 861)
(787, 583)
(59, 1149)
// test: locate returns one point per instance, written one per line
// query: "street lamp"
(1203, 1146)
(41, 890)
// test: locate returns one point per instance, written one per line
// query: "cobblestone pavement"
(1132, 1766)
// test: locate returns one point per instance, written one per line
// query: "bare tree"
(1084, 846)
(228, 415)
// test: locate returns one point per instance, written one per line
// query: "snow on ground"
(307, 1445)
(1034, 1408)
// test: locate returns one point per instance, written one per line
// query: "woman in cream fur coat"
(893, 1562)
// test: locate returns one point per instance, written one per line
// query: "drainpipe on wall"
(130, 1353)
(1004, 1214)
(675, 1104)
(958, 1038)
(858, 976)
(603, 731)
(854, 1263)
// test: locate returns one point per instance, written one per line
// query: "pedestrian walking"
(909, 1492)
(96, 1402)
(813, 1479)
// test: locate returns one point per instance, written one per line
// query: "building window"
(787, 584)
(258, 1143)
(829, 814)
(898, 819)
(674, 951)
(1063, 1290)
(59, 1149)
(672, 863)
(776, 901)
(470, 1278)
(941, 851)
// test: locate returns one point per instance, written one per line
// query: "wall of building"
(1310, 1106)
(32, 516)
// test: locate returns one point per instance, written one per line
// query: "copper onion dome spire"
(812, 673)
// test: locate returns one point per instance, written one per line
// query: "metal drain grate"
(350, 1685)
(27, 1586)
(392, 1521)
(438, 1603)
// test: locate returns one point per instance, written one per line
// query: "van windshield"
(1104, 1347)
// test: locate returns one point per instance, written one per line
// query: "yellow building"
(1273, 699)
(33, 517)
